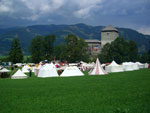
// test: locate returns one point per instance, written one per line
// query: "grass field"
(126, 92)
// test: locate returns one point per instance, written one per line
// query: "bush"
(4, 75)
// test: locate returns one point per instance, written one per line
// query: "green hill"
(25, 35)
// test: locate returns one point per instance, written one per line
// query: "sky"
(134, 14)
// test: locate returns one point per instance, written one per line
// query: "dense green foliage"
(73, 50)
(26, 34)
(145, 57)
(126, 92)
(4, 59)
(36, 49)
(42, 48)
(76, 49)
(49, 45)
(133, 51)
(15, 54)
(59, 52)
(119, 50)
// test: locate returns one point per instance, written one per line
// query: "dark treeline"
(121, 50)
(74, 49)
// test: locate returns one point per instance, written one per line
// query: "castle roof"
(109, 29)
(92, 41)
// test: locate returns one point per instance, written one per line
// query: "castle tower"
(108, 34)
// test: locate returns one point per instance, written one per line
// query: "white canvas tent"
(98, 70)
(18, 64)
(134, 65)
(128, 66)
(114, 67)
(36, 69)
(71, 71)
(140, 65)
(33, 69)
(87, 66)
(4, 70)
(48, 70)
(19, 75)
(146, 65)
(25, 69)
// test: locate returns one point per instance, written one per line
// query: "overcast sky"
(133, 14)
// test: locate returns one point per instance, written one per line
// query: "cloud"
(41, 7)
(5, 6)
(85, 8)
(124, 13)
(144, 30)
(83, 12)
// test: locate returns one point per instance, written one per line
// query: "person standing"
(30, 72)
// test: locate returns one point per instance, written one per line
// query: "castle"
(108, 34)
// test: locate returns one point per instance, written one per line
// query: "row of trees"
(121, 50)
(74, 49)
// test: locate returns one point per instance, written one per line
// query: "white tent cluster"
(27, 68)
(114, 67)
(87, 66)
(126, 66)
(50, 70)
(130, 66)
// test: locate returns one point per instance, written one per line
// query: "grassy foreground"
(127, 92)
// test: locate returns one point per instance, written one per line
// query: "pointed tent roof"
(114, 67)
(72, 71)
(109, 28)
(113, 63)
(48, 70)
(98, 70)
(4, 70)
(19, 75)
(139, 63)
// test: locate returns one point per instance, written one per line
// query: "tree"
(120, 51)
(49, 45)
(37, 50)
(60, 52)
(41, 48)
(75, 49)
(149, 53)
(144, 58)
(15, 54)
(133, 51)
(104, 56)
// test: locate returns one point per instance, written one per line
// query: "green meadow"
(125, 92)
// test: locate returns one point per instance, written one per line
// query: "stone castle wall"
(108, 37)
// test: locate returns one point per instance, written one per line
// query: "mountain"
(25, 35)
